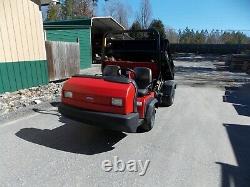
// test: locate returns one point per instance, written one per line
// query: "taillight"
(67, 94)
(117, 102)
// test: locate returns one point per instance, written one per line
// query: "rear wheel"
(167, 101)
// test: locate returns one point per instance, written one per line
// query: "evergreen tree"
(53, 12)
(68, 9)
(159, 26)
(136, 26)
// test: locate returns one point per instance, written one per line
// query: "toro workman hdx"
(137, 77)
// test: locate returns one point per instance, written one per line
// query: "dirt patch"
(207, 70)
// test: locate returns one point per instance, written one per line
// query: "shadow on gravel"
(55, 104)
(239, 97)
(181, 69)
(49, 112)
(197, 58)
(237, 176)
(73, 137)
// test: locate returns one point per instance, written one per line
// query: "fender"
(152, 103)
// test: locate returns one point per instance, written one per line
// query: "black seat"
(111, 70)
(143, 80)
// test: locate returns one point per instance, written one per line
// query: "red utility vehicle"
(137, 77)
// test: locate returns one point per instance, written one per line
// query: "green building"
(88, 32)
(23, 62)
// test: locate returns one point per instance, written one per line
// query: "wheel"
(149, 121)
(167, 101)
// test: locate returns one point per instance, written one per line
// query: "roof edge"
(108, 17)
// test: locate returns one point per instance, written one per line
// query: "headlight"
(117, 102)
(68, 94)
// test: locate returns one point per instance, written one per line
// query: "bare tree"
(77, 8)
(122, 14)
(172, 35)
(145, 13)
(83, 8)
(110, 8)
(117, 10)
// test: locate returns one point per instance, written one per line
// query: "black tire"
(167, 101)
(149, 122)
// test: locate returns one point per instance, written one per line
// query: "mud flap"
(151, 106)
(148, 123)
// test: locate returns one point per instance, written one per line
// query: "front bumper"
(118, 122)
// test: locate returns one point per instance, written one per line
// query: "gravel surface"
(23, 100)
(193, 70)
(209, 70)
(202, 140)
(12, 102)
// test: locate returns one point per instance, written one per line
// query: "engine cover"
(96, 93)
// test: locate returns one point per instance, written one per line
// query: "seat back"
(143, 77)
(132, 65)
(111, 70)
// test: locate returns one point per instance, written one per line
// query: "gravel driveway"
(202, 140)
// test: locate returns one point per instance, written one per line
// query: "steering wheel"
(131, 71)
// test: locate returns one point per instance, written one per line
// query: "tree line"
(72, 9)
(190, 36)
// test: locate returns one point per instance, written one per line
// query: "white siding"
(21, 31)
